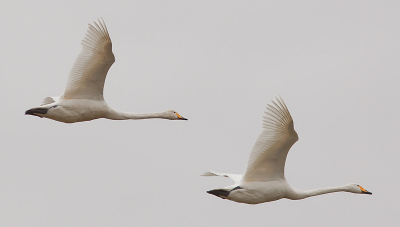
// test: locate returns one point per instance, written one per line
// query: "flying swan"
(83, 96)
(264, 180)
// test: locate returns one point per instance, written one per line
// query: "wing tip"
(97, 35)
(208, 174)
(277, 114)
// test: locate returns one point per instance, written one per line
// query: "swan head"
(172, 115)
(355, 188)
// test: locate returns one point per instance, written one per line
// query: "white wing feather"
(235, 177)
(49, 100)
(268, 156)
(87, 76)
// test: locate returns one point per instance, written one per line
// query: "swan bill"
(364, 191)
(180, 117)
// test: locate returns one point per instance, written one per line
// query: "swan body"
(83, 96)
(264, 179)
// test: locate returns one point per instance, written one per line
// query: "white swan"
(83, 96)
(264, 180)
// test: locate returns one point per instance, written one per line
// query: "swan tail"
(221, 193)
(39, 110)
(35, 111)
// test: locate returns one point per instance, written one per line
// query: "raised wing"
(268, 156)
(87, 76)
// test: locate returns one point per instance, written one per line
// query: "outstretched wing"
(268, 156)
(87, 76)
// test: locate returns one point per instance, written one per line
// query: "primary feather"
(268, 156)
(88, 75)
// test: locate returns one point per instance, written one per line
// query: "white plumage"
(264, 179)
(87, 76)
(83, 96)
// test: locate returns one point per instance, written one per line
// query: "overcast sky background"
(217, 63)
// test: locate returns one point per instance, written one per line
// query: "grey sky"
(217, 63)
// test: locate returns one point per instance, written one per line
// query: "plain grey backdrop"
(217, 63)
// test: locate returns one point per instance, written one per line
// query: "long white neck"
(296, 194)
(120, 115)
